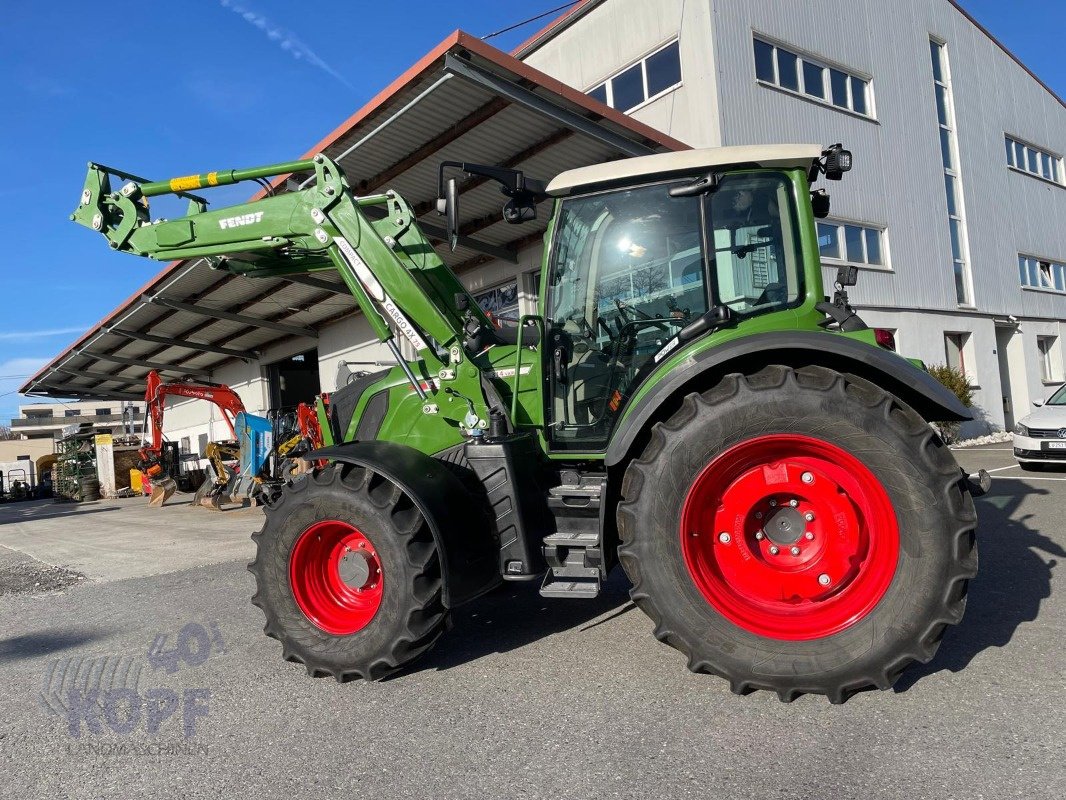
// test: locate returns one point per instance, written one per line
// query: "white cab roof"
(631, 169)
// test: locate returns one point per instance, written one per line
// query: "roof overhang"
(463, 101)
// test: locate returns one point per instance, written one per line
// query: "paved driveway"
(525, 697)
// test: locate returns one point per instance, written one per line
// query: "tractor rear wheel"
(799, 531)
(348, 574)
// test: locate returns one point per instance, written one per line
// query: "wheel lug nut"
(793, 503)
(823, 579)
(758, 515)
(809, 516)
(807, 477)
(773, 550)
(760, 535)
(808, 536)
(773, 504)
(795, 550)
(724, 537)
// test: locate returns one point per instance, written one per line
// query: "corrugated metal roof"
(463, 101)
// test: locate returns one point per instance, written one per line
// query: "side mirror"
(1038, 403)
(451, 211)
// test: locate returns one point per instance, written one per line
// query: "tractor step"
(574, 553)
(578, 589)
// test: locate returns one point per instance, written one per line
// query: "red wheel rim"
(336, 577)
(789, 537)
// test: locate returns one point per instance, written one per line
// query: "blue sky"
(169, 88)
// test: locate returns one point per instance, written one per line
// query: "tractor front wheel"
(348, 574)
(800, 531)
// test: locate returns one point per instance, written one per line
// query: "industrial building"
(47, 420)
(950, 211)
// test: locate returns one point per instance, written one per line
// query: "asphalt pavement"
(524, 697)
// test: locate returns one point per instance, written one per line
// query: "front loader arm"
(387, 264)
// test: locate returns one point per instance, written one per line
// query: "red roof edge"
(526, 72)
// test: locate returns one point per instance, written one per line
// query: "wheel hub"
(789, 537)
(357, 569)
(785, 527)
(336, 577)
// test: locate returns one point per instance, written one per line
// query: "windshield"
(630, 268)
(1059, 398)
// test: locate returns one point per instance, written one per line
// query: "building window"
(103, 412)
(652, 76)
(185, 444)
(949, 154)
(851, 242)
(790, 70)
(1037, 273)
(22, 458)
(1033, 160)
(202, 444)
(1050, 361)
(955, 348)
(71, 412)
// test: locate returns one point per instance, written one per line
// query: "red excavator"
(156, 480)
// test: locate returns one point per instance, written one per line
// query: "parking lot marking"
(984, 449)
(1000, 469)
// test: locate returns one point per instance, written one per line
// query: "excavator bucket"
(213, 502)
(162, 490)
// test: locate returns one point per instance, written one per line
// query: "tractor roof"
(632, 170)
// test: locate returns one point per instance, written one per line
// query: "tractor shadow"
(1013, 578)
(33, 510)
(515, 615)
(44, 643)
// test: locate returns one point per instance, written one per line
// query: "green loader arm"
(388, 264)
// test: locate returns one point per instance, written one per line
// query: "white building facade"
(954, 210)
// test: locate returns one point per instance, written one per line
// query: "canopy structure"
(463, 101)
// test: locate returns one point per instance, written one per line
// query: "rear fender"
(465, 540)
(748, 354)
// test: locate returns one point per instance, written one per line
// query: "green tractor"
(687, 403)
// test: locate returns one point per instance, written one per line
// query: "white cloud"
(286, 40)
(24, 336)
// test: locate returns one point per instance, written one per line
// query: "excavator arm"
(155, 396)
(374, 243)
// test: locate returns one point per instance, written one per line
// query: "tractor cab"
(650, 253)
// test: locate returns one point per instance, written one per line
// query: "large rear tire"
(348, 575)
(798, 531)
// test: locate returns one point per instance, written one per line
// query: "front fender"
(465, 540)
(747, 354)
